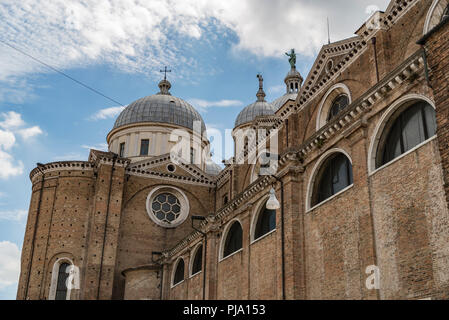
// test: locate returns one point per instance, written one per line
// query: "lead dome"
(259, 108)
(160, 108)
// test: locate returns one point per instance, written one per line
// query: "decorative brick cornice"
(61, 165)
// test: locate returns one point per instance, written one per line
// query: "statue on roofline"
(292, 60)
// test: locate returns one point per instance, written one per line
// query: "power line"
(61, 73)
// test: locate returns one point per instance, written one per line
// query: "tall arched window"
(266, 222)
(179, 272)
(334, 176)
(197, 265)
(233, 242)
(61, 287)
(340, 103)
(405, 131)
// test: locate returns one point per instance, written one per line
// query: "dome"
(256, 109)
(212, 168)
(279, 102)
(161, 108)
(293, 81)
(251, 112)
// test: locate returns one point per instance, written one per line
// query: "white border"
(344, 90)
(225, 235)
(430, 14)
(54, 278)
(314, 173)
(192, 259)
(175, 267)
(384, 120)
(185, 207)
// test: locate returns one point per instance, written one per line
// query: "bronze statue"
(292, 59)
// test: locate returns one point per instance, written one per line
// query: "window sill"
(231, 255)
(403, 155)
(175, 285)
(330, 199)
(195, 274)
(263, 237)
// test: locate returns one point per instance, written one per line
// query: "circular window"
(171, 168)
(167, 206)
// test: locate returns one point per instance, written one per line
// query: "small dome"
(161, 108)
(212, 168)
(293, 81)
(279, 102)
(251, 112)
(256, 109)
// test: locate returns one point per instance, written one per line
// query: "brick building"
(359, 208)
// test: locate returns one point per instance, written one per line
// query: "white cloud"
(13, 215)
(9, 264)
(107, 113)
(8, 167)
(12, 124)
(140, 35)
(204, 104)
(30, 132)
(11, 120)
(7, 140)
(98, 146)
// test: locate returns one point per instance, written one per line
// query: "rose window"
(166, 207)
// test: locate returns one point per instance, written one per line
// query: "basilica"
(338, 189)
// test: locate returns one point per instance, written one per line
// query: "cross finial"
(165, 72)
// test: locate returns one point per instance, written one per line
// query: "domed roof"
(293, 80)
(161, 108)
(256, 109)
(212, 168)
(279, 102)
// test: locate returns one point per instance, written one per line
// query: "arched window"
(438, 11)
(61, 287)
(340, 103)
(334, 176)
(233, 242)
(179, 272)
(266, 222)
(405, 131)
(197, 265)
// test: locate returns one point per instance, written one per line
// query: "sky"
(214, 48)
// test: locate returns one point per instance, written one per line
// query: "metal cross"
(165, 72)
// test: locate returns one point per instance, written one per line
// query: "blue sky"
(214, 48)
